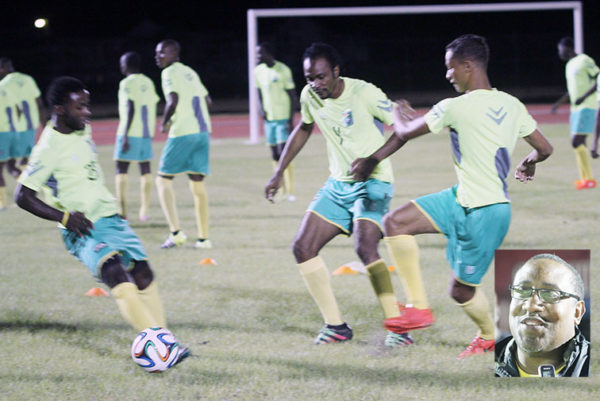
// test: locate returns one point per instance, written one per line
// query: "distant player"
(484, 125)
(137, 123)
(187, 121)
(277, 99)
(350, 113)
(8, 136)
(581, 72)
(30, 112)
(65, 159)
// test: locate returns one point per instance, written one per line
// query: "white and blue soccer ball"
(155, 349)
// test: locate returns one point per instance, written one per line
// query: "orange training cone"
(208, 261)
(96, 292)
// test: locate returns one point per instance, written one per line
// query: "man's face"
(75, 113)
(538, 326)
(165, 55)
(320, 76)
(456, 72)
(262, 56)
(564, 53)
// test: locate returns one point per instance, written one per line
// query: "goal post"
(253, 16)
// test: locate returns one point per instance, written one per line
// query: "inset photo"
(542, 313)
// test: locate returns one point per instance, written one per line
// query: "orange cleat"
(410, 319)
(477, 346)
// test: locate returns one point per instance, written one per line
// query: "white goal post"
(254, 14)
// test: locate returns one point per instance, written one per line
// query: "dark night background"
(401, 54)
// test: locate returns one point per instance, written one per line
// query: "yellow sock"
(131, 307)
(145, 194)
(584, 164)
(477, 308)
(288, 179)
(3, 200)
(316, 277)
(166, 195)
(404, 251)
(150, 297)
(200, 207)
(122, 184)
(382, 284)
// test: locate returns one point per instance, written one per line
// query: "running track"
(238, 126)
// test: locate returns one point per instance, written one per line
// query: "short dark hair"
(470, 47)
(60, 89)
(567, 41)
(6, 62)
(133, 60)
(172, 43)
(328, 52)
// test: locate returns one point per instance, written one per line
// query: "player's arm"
(293, 105)
(128, 121)
(294, 144)
(26, 198)
(590, 92)
(563, 99)
(542, 149)
(405, 129)
(172, 100)
(262, 107)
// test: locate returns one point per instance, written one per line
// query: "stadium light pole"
(252, 16)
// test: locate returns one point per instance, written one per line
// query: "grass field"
(249, 320)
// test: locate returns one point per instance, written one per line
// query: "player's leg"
(122, 185)
(312, 236)
(198, 190)
(481, 232)
(582, 124)
(148, 291)
(3, 197)
(11, 167)
(145, 190)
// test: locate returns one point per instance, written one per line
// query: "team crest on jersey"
(347, 119)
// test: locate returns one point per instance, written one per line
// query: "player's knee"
(391, 226)
(366, 252)
(578, 140)
(112, 272)
(461, 293)
(302, 251)
(142, 274)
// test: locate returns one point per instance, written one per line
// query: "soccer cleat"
(410, 319)
(183, 353)
(334, 334)
(174, 240)
(203, 244)
(585, 184)
(398, 340)
(477, 346)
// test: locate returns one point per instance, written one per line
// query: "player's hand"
(272, 187)
(125, 146)
(525, 172)
(79, 224)
(362, 168)
(554, 109)
(164, 127)
(404, 110)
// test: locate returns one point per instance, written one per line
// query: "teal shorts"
(187, 154)
(582, 121)
(473, 234)
(7, 141)
(341, 203)
(110, 235)
(276, 132)
(140, 149)
(23, 144)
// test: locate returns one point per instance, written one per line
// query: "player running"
(484, 125)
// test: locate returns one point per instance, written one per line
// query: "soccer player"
(277, 99)
(7, 137)
(350, 113)
(187, 121)
(137, 123)
(581, 72)
(65, 159)
(484, 125)
(30, 111)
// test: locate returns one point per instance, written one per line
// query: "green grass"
(249, 320)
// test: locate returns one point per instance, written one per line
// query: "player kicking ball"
(474, 215)
(64, 169)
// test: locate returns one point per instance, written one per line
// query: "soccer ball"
(155, 349)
